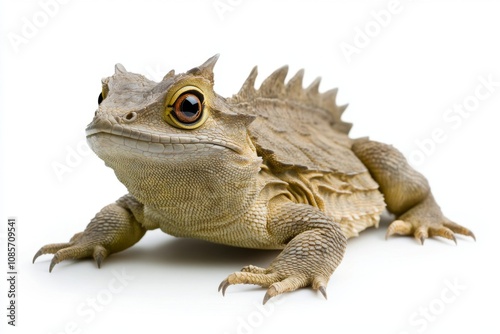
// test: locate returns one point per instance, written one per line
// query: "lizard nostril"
(131, 116)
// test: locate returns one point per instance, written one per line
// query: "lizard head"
(173, 141)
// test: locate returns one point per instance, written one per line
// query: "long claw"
(37, 255)
(267, 296)
(51, 249)
(421, 234)
(322, 289)
(223, 286)
(449, 236)
(456, 228)
(100, 253)
(442, 231)
(53, 263)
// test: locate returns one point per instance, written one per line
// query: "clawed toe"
(399, 227)
(71, 251)
(288, 284)
(275, 283)
(442, 231)
(223, 286)
(456, 228)
(51, 249)
(270, 293)
(100, 253)
(421, 234)
(322, 289)
(422, 231)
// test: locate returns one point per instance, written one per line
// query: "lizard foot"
(113, 229)
(315, 245)
(78, 247)
(275, 281)
(426, 220)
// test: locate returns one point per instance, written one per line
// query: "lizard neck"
(212, 189)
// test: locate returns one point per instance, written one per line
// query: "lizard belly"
(247, 230)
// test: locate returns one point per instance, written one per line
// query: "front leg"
(314, 248)
(112, 230)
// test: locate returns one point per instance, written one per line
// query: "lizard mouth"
(157, 144)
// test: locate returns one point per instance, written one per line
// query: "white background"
(428, 58)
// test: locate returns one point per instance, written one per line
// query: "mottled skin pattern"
(271, 168)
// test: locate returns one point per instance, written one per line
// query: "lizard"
(268, 168)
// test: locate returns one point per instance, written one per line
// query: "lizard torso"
(214, 180)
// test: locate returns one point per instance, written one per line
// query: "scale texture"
(268, 168)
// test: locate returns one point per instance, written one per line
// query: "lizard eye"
(188, 107)
(103, 94)
(185, 109)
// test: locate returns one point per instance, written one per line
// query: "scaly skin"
(407, 194)
(112, 230)
(272, 168)
(314, 248)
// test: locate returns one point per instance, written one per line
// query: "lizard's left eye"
(188, 108)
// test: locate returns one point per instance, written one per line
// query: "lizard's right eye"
(103, 94)
(186, 109)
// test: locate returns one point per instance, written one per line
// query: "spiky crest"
(274, 87)
(247, 91)
(169, 75)
(119, 68)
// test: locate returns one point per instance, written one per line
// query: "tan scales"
(268, 168)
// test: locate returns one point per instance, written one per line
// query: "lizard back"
(301, 137)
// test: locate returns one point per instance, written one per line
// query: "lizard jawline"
(161, 144)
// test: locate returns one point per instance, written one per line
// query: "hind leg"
(407, 194)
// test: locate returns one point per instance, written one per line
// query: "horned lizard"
(268, 168)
